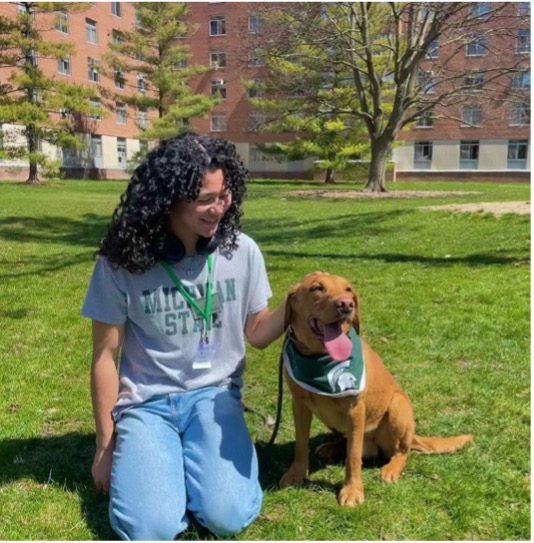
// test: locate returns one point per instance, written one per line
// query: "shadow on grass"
(64, 461)
(84, 232)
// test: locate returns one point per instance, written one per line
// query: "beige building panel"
(109, 152)
(403, 156)
(492, 155)
(445, 155)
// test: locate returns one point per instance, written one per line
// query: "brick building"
(471, 140)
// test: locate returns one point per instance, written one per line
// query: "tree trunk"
(33, 177)
(376, 181)
(329, 176)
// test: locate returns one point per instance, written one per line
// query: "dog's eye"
(348, 289)
(317, 288)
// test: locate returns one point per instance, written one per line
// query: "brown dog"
(320, 312)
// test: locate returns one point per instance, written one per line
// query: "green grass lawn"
(445, 300)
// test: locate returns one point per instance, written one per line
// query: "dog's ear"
(290, 300)
(356, 318)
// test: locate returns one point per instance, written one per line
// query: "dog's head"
(320, 310)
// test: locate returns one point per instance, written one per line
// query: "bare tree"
(399, 63)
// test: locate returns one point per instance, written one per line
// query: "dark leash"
(265, 419)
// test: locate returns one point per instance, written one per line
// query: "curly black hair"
(172, 170)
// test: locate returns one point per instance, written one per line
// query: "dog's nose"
(345, 305)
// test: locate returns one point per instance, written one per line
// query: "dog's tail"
(436, 445)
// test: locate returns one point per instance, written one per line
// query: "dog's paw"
(294, 476)
(389, 474)
(350, 495)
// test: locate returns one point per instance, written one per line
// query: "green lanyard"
(203, 313)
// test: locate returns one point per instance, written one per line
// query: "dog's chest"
(332, 412)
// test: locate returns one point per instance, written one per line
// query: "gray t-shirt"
(159, 353)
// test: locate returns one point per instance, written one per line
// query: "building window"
(425, 120)
(90, 31)
(141, 119)
(474, 81)
(255, 121)
(426, 82)
(255, 24)
(217, 25)
(255, 58)
(119, 79)
(95, 103)
(479, 10)
(469, 155)
(422, 155)
(218, 59)
(63, 65)
(62, 21)
(471, 116)
(517, 154)
(523, 8)
(96, 151)
(521, 80)
(256, 90)
(141, 84)
(116, 9)
(116, 37)
(93, 70)
(433, 49)
(523, 41)
(519, 114)
(121, 153)
(180, 65)
(218, 88)
(21, 8)
(120, 110)
(218, 121)
(476, 47)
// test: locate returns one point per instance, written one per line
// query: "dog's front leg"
(296, 474)
(352, 492)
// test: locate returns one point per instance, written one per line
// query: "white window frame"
(95, 102)
(119, 79)
(474, 81)
(120, 113)
(91, 33)
(62, 21)
(218, 121)
(180, 65)
(426, 82)
(433, 49)
(64, 66)
(93, 70)
(469, 153)
(521, 80)
(520, 114)
(254, 59)
(141, 84)
(422, 154)
(255, 93)
(141, 119)
(215, 59)
(255, 24)
(218, 88)
(479, 10)
(116, 9)
(523, 8)
(522, 43)
(116, 37)
(217, 25)
(477, 45)
(426, 120)
(255, 120)
(469, 114)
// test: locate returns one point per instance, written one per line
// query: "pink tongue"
(336, 343)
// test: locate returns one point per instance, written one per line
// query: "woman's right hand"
(101, 469)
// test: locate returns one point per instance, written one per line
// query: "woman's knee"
(226, 518)
(152, 525)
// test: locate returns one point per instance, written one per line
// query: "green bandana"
(322, 375)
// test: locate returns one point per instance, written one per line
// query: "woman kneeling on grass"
(174, 287)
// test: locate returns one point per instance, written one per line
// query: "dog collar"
(322, 375)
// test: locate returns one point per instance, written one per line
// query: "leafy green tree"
(156, 53)
(303, 102)
(384, 60)
(45, 108)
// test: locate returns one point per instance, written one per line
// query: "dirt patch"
(497, 208)
(360, 195)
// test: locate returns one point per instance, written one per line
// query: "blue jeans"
(186, 451)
